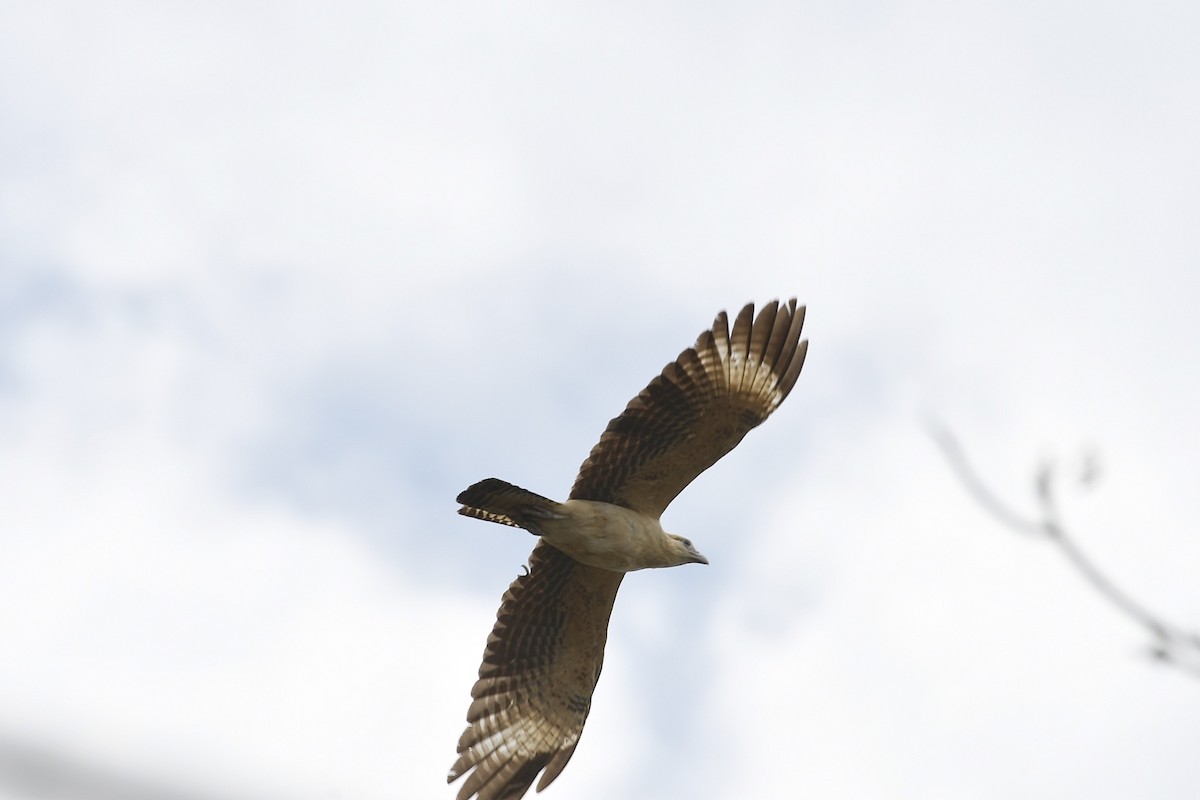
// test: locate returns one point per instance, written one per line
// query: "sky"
(278, 280)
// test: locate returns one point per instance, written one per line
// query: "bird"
(545, 652)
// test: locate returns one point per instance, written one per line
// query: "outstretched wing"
(535, 685)
(697, 410)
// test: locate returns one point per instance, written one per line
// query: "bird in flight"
(545, 652)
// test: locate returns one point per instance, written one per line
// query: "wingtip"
(793, 372)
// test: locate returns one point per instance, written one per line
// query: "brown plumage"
(544, 654)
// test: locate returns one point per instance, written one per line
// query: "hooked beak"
(699, 559)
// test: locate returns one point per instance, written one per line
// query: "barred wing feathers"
(539, 670)
(697, 410)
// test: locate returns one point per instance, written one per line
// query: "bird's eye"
(687, 542)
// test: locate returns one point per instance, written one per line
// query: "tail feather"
(495, 500)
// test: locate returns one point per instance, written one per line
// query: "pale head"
(684, 552)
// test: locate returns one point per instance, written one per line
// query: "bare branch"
(984, 496)
(1170, 644)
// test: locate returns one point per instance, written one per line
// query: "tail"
(497, 501)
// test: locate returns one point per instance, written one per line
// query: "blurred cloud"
(278, 280)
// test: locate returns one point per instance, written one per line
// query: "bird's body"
(602, 535)
(615, 538)
(546, 649)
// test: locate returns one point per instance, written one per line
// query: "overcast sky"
(278, 280)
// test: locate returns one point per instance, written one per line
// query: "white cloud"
(271, 272)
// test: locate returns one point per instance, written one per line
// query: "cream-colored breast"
(607, 536)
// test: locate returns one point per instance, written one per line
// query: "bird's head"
(684, 551)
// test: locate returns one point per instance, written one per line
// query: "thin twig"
(992, 504)
(1171, 644)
